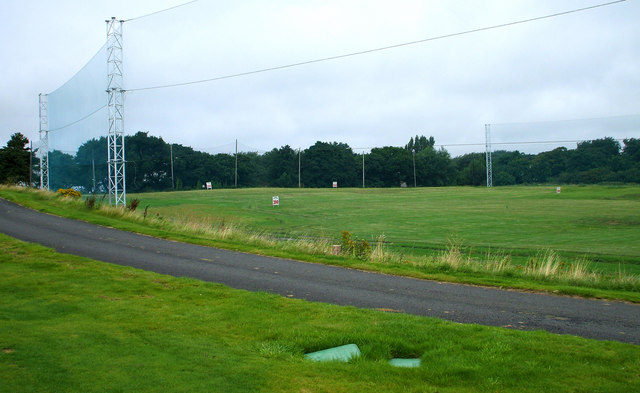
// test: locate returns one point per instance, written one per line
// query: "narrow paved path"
(604, 320)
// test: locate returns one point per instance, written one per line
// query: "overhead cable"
(375, 49)
(157, 12)
(79, 120)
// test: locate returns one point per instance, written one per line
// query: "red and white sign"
(276, 201)
(209, 185)
(335, 184)
(558, 190)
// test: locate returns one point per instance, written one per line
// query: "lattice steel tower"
(115, 109)
(43, 150)
(487, 130)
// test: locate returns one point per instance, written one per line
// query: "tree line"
(419, 163)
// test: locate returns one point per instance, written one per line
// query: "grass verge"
(546, 271)
(76, 325)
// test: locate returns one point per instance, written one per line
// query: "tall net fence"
(77, 111)
(154, 100)
(77, 114)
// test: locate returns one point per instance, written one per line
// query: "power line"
(518, 143)
(79, 120)
(376, 49)
(495, 143)
(157, 12)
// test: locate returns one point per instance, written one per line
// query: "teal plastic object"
(410, 363)
(336, 354)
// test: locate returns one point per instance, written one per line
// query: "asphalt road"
(604, 320)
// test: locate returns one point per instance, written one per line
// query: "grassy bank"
(180, 216)
(75, 325)
(602, 221)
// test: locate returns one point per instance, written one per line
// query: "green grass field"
(582, 242)
(600, 222)
(70, 324)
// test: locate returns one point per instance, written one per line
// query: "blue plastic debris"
(338, 354)
(411, 363)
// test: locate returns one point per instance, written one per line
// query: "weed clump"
(90, 202)
(358, 248)
(133, 205)
(548, 265)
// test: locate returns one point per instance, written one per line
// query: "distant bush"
(68, 192)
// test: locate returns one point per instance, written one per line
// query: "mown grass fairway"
(69, 324)
(600, 222)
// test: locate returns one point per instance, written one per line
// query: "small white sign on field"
(276, 201)
(558, 189)
(209, 187)
(335, 184)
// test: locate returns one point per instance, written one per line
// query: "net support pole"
(43, 150)
(115, 110)
(362, 168)
(299, 168)
(487, 130)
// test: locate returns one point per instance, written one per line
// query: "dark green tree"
(595, 154)
(547, 166)
(471, 169)
(193, 168)
(434, 168)
(14, 160)
(91, 165)
(420, 143)
(187, 168)
(148, 166)
(511, 167)
(389, 166)
(63, 171)
(251, 171)
(282, 167)
(323, 163)
(631, 161)
(631, 150)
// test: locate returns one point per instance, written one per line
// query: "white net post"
(487, 130)
(44, 141)
(115, 110)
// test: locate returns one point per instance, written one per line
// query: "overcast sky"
(583, 65)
